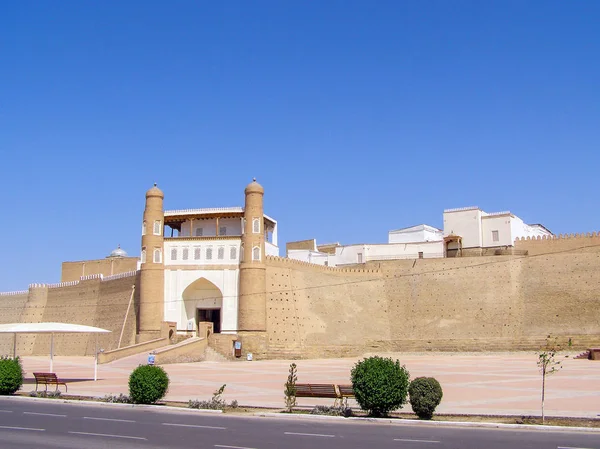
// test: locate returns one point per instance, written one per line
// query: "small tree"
(548, 365)
(290, 389)
(380, 385)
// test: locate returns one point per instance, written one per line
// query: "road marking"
(107, 419)
(233, 447)
(108, 435)
(192, 425)
(310, 434)
(406, 440)
(5, 411)
(45, 414)
(568, 447)
(22, 428)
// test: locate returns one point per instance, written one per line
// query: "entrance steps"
(211, 355)
(584, 355)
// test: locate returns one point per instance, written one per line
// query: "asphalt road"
(41, 424)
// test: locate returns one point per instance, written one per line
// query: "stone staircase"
(584, 355)
(213, 356)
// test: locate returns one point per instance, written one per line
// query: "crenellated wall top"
(284, 261)
(18, 292)
(560, 237)
(120, 275)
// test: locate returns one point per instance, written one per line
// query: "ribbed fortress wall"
(107, 302)
(472, 303)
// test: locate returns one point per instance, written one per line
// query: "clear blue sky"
(356, 116)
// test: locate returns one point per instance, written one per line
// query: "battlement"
(18, 292)
(120, 276)
(73, 283)
(560, 236)
(89, 277)
(558, 243)
(289, 262)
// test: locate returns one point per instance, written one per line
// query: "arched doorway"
(203, 301)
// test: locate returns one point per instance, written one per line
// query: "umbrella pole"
(52, 352)
(96, 359)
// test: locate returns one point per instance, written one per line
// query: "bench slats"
(324, 391)
(48, 379)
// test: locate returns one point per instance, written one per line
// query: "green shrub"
(148, 384)
(380, 385)
(335, 410)
(216, 403)
(425, 395)
(11, 375)
(45, 394)
(113, 398)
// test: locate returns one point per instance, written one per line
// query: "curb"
(399, 422)
(418, 422)
(113, 404)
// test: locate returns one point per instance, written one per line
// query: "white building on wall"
(202, 255)
(465, 229)
(470, 228)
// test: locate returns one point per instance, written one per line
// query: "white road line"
(568, 447)
(5, 411)
(108, 419)
(45, 414)
(22, 428)
(233, 447)
(192, 425)
(108, 435)
(415, 441)
(310, 434)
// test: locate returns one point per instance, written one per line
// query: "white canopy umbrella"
(52, 328)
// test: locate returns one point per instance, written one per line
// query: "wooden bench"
(48, 379)
(337, 392)
(346, 391)
(317, 391)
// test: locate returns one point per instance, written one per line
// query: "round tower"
(152, 276)
(252, 306)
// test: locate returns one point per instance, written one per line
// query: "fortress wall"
(92, 301)
(311, 308)
(11, 308)
(561, 294)
(112, 312)
(482, 303)
(33, 312)
(71, 302)
(560, 243)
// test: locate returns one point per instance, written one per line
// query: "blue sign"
(151, 358)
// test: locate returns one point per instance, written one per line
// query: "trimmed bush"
(11, 375)
(425, 395)
(148, 384)
(380, 385)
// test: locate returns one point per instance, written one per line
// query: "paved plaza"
(500, 383)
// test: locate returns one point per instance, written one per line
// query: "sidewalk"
(501, 383)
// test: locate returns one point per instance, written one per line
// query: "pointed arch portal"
(203, 302)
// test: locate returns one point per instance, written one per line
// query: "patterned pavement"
(491, 384)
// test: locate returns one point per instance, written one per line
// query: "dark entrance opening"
(211, 315)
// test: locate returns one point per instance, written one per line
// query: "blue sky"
(356, 116)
